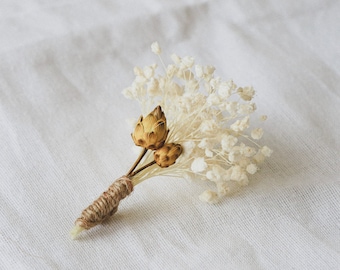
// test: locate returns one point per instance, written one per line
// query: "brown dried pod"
(151, 131)
(168, 154)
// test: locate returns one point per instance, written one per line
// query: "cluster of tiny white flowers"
(208, 116)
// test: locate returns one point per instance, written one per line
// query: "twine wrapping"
(106, 205)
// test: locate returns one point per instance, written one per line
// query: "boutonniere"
(195, 125)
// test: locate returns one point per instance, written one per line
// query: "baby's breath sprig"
(209, 117)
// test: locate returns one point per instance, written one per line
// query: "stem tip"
(75, 231)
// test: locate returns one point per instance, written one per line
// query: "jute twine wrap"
(106, 205)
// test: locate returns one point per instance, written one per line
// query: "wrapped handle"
(106, 205)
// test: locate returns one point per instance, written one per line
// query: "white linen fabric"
(64, 136)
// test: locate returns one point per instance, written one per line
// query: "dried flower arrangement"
(206, 137)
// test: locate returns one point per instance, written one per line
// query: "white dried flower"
(266, 151)
(171, 71)
(205, 116)
(198, 165)
(223, 188)
(251, 168)
(257, 133)
(138, 71)
(246, 108)
(263, 117)
(209, 197)
(155, 48)
(246, 93)
(227, 142)
(259, 157)
(225, 89)
(247, 151)
(177, 60)
(148, 72)
(208, 153)
(236, 173)
(199, 71)
(188, 61)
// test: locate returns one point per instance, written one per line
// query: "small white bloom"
(171, 71)
(203, 143)
(153, 88)
(231, 107)
(188, 61)
(266, 151)
(243, 181)
(177, 60)
(236, 173)
(208, 126)
(235, 154)
(222, 188)
(216, 173)
(210, 175)
(209, 153)
(173, 89)
(224, 89)
(213, 99)
(209, 70)
(199, 71)
(246, 93)
(198, 165)
(227, 142)
(243, 161)
(263, 117)
(191, 86)
(188, 148)
(140, 80)
(247, 108)
(248, 151)
(155, 48)
(209, 197)
(240, 125)
(148, 72)
(259, 157)
(251, 168)
(256, 133)
(214, 83)
(227, 175)
(138, 71)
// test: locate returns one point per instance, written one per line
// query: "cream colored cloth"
(64, 137)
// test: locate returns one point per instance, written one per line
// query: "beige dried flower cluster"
(209, 117)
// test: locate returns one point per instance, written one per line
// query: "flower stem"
(137, 161)
(142, 168)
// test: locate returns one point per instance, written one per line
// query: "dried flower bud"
(168, 154)
(151, 131)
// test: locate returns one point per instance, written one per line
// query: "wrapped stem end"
(75, 231)
(105, 206)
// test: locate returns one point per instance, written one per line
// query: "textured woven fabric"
(64, 137)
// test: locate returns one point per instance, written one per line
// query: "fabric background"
(64, 136)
